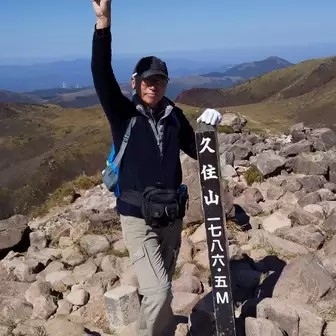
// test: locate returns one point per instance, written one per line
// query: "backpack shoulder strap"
(123, 145)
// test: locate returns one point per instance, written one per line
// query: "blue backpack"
(111, 173)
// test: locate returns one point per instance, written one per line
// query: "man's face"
(151, 89)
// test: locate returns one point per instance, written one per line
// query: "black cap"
(149, 66)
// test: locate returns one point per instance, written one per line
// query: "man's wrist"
(103, 22)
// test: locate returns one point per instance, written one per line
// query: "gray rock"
(303, 217)
(329, 224)
(268, 162)
(122, 305)
(312, 183)
(275, 192)
(305, 279)
(227, 158)
(93, 244)
(311, 198)
(253, 195)
(275, 221)
(12, 231)
(322, 138)
(296, 148)
(261, 327)
(307, 235)
(293, 317)
(233, 120)
(279, 245)
(310, 164)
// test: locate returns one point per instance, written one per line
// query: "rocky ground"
(280, 202)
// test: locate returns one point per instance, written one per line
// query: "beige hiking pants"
(153, 253)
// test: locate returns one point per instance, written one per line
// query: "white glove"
(210, 116)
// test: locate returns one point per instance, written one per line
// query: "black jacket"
(153, 151)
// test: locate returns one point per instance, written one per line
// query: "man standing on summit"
(151, 202)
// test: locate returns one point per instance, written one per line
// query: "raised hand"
(102, 9)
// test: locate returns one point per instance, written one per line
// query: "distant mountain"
(86, 96)
(9, 96)
(77, 73)
(252, 69)
(302, 92)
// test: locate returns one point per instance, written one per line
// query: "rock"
(194, 214)
(38, 239)
(303, 217)
(275, 221)
(323, 138)
(268, 162)
(312, 183)
(184, 302)
(240, 151)
(234, 121)
(78, 296)
(84, 271)
(181, 330)
(64, 307)
(93, 244)
(307, 235)
(61, 326)
(253, 195)
(310, 164)
(305, 280)
(292, 317)
(72, 256)
(261, 327)
(187, 284)
(281, 246)
(12, 231)
(43, 307)
(275, 192)
(186, 251)
(122, 305)
(330, 329)
(311, 198)
(227, 158)
(199, 235)
(293, 149)
(329, 224)
(228, 171)
(36, 290)
(60, 280)
(5, 330)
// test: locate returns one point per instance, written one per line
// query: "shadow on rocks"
(241, 218)
(273, 267)
(202, 320)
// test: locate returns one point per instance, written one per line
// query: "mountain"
(41, 82)
(43, 145)
(302, 92)
(77, 73)
(9, 96)
(252, 69)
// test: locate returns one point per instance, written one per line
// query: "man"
(151, 159)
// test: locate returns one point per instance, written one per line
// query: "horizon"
(252, 29)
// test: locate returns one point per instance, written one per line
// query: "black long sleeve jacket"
(153, 151)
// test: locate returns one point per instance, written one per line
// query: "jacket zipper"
(156, 134)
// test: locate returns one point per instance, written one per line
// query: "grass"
(252, 175)
(66, 193)
(45, 146)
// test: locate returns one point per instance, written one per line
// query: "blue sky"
(60, 28)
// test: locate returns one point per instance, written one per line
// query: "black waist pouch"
(160, 206)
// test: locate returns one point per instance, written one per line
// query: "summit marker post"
(215, 225)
